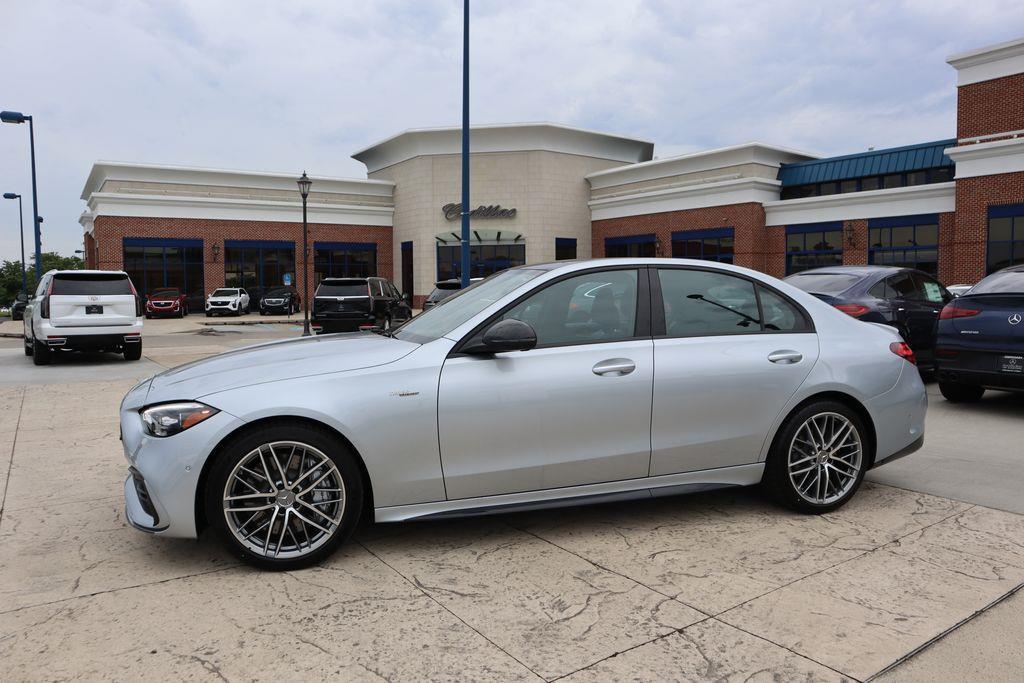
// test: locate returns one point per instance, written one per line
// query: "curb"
(253, 322)
(12, 335)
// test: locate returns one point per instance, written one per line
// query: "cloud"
(292, 86)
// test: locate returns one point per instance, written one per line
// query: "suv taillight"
(903, 350)
(138, 300)
(44, 307)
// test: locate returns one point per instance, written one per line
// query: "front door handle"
(785, 357)
(615, 367)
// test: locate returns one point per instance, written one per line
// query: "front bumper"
(166, 470)
(156, 311)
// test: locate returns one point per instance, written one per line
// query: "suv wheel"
(40, 353)
(284, 497)
(28, 348)
(818, 459)
(133, 351)
(955, 392)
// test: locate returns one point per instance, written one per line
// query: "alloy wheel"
(284, 499)
(825, 458)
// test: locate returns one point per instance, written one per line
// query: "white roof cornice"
(899, 201)
(984, 64)
(514, 137)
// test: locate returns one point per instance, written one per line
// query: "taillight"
(138, 300)
(855, 310)
(904, 351)
(44, 308)
(951, 310)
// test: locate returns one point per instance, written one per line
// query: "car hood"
(275, 361)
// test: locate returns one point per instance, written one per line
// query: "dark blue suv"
(979, 340)
(905, 298)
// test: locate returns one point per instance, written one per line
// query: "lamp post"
(465, 146)
(304, 183)
(21, 222)
(18, 117)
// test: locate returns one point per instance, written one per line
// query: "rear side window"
(779, 314)
(700, 303)
(72, 284)
(343, 288)
(1001, 283)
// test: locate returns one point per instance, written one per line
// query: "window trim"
(641, 324)
(659, 327)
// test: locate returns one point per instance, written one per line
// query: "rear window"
(1000, 283)
(823, 283)
(75, 284)
(343, 288)
(441, 293)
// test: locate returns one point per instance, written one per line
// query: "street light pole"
(21, 223)
(465, 145)
(18, 117)
(304, 184)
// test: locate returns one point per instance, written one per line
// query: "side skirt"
(630, 489)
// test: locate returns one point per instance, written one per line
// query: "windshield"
(343, 288)
(280, 291)
(463, 305)
(225, 292)
(165, 292)
(823, 283)
(1001, 283)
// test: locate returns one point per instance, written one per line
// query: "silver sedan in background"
(541, 386)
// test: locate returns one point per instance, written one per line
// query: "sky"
(288, 86)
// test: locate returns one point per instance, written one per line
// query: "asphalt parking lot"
(915, 579)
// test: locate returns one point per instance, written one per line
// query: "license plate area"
(93, 309)
(1013, 365)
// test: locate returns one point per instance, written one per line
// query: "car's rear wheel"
(28, 348)
(133, 351)
(818, 460)
(40, 353)
(284, 497)
(954, 392)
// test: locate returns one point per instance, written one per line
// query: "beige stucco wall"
(547, 189)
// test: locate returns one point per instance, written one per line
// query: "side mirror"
(505, 335)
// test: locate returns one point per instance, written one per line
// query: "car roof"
(852, 270)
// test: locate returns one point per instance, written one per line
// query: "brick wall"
(747, 220)
(989, 107)
(970, 233)
(947, 249)
(855, 253)
(775, 251)
(110, 230)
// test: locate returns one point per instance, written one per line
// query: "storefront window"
(344, 259)
(634, 246)
(908, 241)
(813, 246)
(707, 245)
(258, 266)
(152, 263)
(565, 248)
(484, 259)
(1005, 237)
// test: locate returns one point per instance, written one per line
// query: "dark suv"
(280, 300)
(345, 304)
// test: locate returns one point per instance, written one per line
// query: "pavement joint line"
(447, 609)
(927, 644)
(118, 589)
(10, 460)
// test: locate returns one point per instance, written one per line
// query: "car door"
(574, 410)
(929, 298)
(729, 353)
(911, 312)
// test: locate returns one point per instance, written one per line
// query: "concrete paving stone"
(44, 474)
(708, 650)
(714, 551)
(863, 615)
(547, 608)
(99, 429)
(352, 620)
(54, 552)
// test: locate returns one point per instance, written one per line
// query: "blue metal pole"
(465, 144)
(35, 203)
(24, 271)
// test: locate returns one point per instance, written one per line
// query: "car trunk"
(91, 300)
(993, 324)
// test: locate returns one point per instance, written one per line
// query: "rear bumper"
(979, 367)
(88, 338)
(343, 321)
(992, 380)
(899, 416)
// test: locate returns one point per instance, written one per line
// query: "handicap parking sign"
(287, 279)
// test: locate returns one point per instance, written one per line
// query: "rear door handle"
(785, 357)
(615, 367)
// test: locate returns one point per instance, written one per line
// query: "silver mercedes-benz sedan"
(541, 386)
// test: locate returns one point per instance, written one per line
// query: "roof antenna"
(871, 149)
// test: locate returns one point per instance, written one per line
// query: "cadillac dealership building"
(541, 192)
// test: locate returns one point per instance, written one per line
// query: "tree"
(10, 273)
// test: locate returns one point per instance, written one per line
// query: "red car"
(166, 301)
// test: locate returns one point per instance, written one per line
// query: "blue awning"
(876, 162)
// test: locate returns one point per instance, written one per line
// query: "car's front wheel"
(818, 460)
(284, 496)
(954, 392)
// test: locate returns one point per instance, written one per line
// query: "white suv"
(229, 300)
(83, 310)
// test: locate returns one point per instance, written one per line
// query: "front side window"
(931, 291)
(902, 286)
(594, 307)
(701, 303)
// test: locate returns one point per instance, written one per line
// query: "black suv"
(280, 300)
(346, 304)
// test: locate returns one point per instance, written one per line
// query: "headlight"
(170, 418)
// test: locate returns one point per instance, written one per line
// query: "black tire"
(133, 351)
(149, 317)
(241, 447)
(777, 481)
(40, 353)
(209, 315)
(28, 347)
(954, 392)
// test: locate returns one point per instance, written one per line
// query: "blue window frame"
(716, 244)
(258, 265)
(632, 246)
(814, 245)
(565, 248)
(1005, 237)
(152, 263)
(906, 241)
(344, 259)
